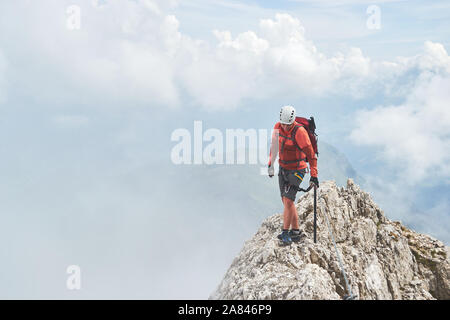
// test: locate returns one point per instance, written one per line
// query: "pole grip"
(305, 190)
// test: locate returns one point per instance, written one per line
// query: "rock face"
(381, 258)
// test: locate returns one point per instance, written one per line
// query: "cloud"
(134, 53)
(279, 60)
(275, 60)
(121, 53)
(414, 136)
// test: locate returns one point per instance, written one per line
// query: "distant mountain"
(334, 165)
(247, 191)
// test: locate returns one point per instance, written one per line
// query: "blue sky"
(86, 116)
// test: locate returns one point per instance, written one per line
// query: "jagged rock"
(382, 259)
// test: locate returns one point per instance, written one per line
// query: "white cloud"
(275, 60)
(247, 41)
(414, 137)
(283, 31)
(121, 54)
(133, 52)
(434, 58)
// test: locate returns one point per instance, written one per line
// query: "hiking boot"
(285, 238)
(295, 237)
(281, 234)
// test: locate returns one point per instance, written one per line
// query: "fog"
(137, 225)
(87, 112)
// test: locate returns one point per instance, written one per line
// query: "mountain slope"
(382, 258)
(334, 165)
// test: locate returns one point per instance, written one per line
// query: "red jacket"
(291, 158)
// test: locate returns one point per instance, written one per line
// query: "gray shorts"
(289, 181)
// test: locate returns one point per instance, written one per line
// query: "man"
(292, 142)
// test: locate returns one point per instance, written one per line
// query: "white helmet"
(287, 115)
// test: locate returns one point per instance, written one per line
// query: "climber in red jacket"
(292, 167)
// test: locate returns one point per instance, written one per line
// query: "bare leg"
(292, 213)
(294, 217)
(286, 213)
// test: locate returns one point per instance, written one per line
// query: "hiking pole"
(315, 214)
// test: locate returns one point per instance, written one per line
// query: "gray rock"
(382, 259)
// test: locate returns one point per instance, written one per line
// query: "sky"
(91, 91)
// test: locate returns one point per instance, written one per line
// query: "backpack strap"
(292, 137)
(292, 161)
(293, 133)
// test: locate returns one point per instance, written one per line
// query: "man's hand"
(314, 180)
(271, 171)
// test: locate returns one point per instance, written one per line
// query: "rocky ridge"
(382, 258)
